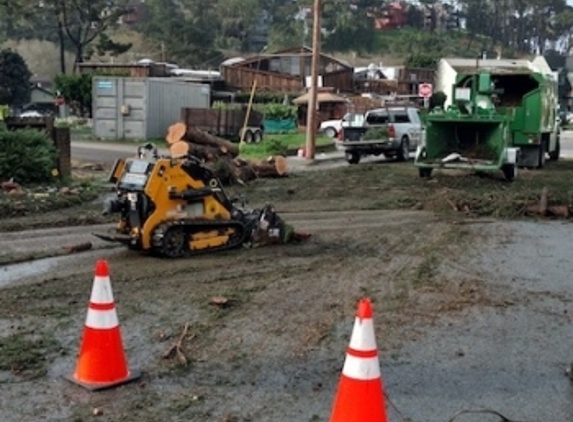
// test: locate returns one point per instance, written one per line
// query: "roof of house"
(42, 85)
(499, 65)
(321, 97)
(298, 51)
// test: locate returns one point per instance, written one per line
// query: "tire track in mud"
(33, 254)
(31, 241)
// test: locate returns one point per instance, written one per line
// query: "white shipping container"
(142, 108)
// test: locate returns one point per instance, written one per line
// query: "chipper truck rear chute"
(497, 122)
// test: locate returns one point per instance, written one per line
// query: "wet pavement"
(509, 358)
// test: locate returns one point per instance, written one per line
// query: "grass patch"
(26, 353)
(280, 144)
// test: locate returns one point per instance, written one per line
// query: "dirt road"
(467, 314)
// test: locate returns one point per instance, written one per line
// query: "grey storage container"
(142, 108)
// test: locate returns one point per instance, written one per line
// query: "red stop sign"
(425, 90)
(60, 100)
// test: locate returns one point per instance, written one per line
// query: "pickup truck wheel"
(352, 157)
(330, 132)
(404, 151)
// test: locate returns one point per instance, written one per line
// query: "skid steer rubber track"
(162, 233)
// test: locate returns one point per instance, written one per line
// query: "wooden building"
(410, 78)
(330, 106)
(287, 71)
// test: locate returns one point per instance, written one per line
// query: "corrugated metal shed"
(142, 108)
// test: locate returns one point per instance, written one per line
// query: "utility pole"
(311, 112)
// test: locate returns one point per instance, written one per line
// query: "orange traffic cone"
(360, 395)
(102, 362)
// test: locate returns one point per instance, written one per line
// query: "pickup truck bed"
(393, 132)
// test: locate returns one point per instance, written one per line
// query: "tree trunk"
(79, 57)
(197, 136)
(61, 39)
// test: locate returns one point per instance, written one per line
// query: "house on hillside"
(41, 91)
(394, 15)
(448, 68)
(287, 71)
(42, 96)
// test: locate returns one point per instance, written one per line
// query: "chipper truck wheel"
(542, 152)
(554, 155)
(425, 173)
(509, 171)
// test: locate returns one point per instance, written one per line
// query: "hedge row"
(28, 156)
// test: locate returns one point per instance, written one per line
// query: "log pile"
(220, 155)
(545, 210)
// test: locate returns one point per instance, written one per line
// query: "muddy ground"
(464, 314)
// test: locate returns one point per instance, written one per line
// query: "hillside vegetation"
(201, 33)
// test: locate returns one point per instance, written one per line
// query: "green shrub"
(29, 156)
(277, 111)
(275, 147)
(221, 105)
(376, 133)
(4, 111)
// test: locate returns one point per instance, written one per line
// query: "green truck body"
(498, 120)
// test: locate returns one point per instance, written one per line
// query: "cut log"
(179, 149)
(203, 152)
(543, 202)
(82, 247)
(197, 136)
(175, 133)
(272, 167)
(560, 211)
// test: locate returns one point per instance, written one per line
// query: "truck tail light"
(341, 134)
(391, 131)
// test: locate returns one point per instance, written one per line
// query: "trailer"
(226, 123)
(498, 120)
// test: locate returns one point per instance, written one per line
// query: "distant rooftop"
(467, 65)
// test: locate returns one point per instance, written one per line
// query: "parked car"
(393, 131)
(331, 128)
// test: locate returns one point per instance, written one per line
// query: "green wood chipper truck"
(499, 120)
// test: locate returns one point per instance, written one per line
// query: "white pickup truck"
(394, 131)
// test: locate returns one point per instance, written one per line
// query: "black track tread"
(192, 226)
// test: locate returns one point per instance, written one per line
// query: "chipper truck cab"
(499, 120)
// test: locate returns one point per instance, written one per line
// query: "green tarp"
(279, 126)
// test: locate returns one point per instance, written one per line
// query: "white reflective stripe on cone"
(363, 369)
(102, 320)
(101, 290)
(363, 338)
